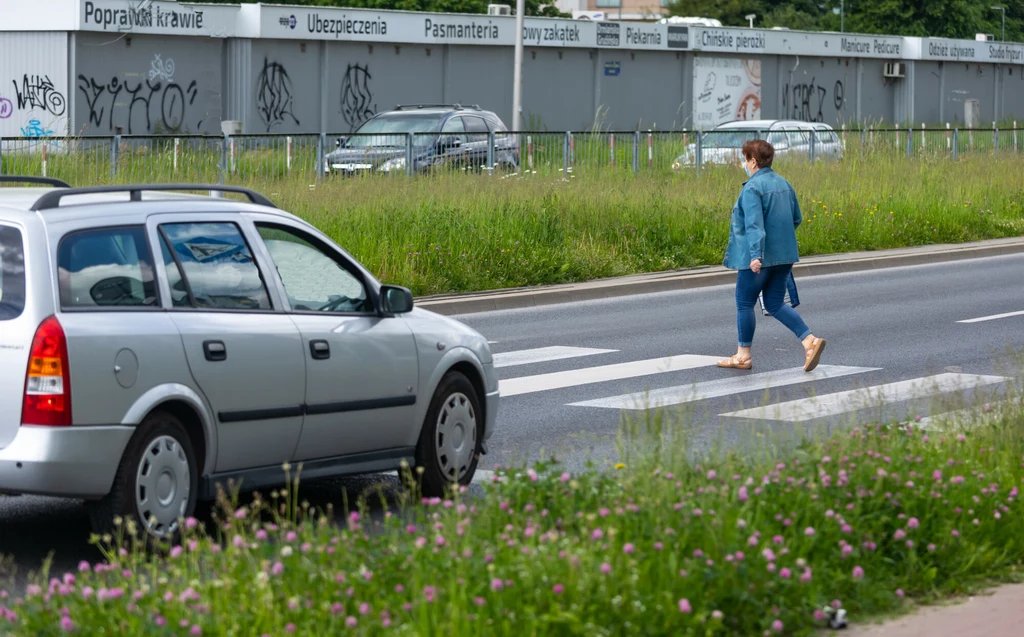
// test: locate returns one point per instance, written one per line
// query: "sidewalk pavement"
(996, 613)
(710, 275)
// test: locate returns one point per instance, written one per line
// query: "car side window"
(477, 128)
(314, 280)
(106, 268)
(456, 128)
(799, 137)
(12, 273)
(175, 280)
(215, 267)
(778, 139)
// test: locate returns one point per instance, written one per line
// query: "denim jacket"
(764, 222)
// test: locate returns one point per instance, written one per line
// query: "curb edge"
(495, 300)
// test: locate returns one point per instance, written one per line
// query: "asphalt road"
(885, 326)
(891, 330)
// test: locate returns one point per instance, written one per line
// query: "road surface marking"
(993, 317)
(483, 475)
(847, 401)
(723, 387)
(960, 417)
(544, 354)
(604, 373)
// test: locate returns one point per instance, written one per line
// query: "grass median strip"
(669, 542)
(463, 233)
(466, 234)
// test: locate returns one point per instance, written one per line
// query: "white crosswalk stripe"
(804, 409)
(544, 355)
(604, 373)
(724, 387)
(847, 401)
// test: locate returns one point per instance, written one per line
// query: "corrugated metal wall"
(35, 93)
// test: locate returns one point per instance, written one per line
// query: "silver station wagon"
(155, 344)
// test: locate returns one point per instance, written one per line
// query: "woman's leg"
(775, 300)
(774, 303)
(748, 286)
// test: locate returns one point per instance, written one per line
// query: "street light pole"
(1003, 11)
(517, 71)
(750, 17)
(842, 16)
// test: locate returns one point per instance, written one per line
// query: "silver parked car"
(723, 144)
(155, 344)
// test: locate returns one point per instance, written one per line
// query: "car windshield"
(390, 130)
(728, 138)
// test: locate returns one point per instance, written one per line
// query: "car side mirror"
(396, 299)
(340, 141)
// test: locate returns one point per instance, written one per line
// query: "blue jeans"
(772, 282)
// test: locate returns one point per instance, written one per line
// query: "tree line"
(923, 18)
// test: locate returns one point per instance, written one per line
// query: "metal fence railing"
(314, 157)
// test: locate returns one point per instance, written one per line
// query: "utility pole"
(1003, 11)
(517, 71)
(841, 12)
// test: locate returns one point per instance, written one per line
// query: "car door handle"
(215, 350)
(319, 350)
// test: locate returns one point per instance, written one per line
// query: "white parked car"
(723, 144)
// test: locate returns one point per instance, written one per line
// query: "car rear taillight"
(48, 382)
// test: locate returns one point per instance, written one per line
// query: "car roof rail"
(51, 200)
(458, 107)
(23, 179)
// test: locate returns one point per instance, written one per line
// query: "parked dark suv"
(445, 137)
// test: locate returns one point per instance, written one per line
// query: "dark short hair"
(761, 152)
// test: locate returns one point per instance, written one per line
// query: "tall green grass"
(462, 232)
(478, 233)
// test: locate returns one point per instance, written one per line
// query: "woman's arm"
(753, 222)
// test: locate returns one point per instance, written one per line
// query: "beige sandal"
(736, 362)
(813, 354)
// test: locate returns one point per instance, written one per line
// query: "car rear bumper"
(74, 462)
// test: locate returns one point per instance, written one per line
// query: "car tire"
(451, 438)
(158, 476)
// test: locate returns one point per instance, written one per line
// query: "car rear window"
(12, 273)
(109, 268)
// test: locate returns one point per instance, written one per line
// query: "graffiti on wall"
(160, 70)
(808, 101)
(32, 105)
(274, 97)
(357, 103)
(36, 129)
(37, 92)
(157, 104)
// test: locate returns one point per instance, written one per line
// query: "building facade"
(103, 67)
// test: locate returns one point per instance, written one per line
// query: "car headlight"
(397, 163)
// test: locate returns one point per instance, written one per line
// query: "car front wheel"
(450, 442)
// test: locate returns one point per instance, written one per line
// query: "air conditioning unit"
(499, 9)
(984, 37)
(894, 69)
